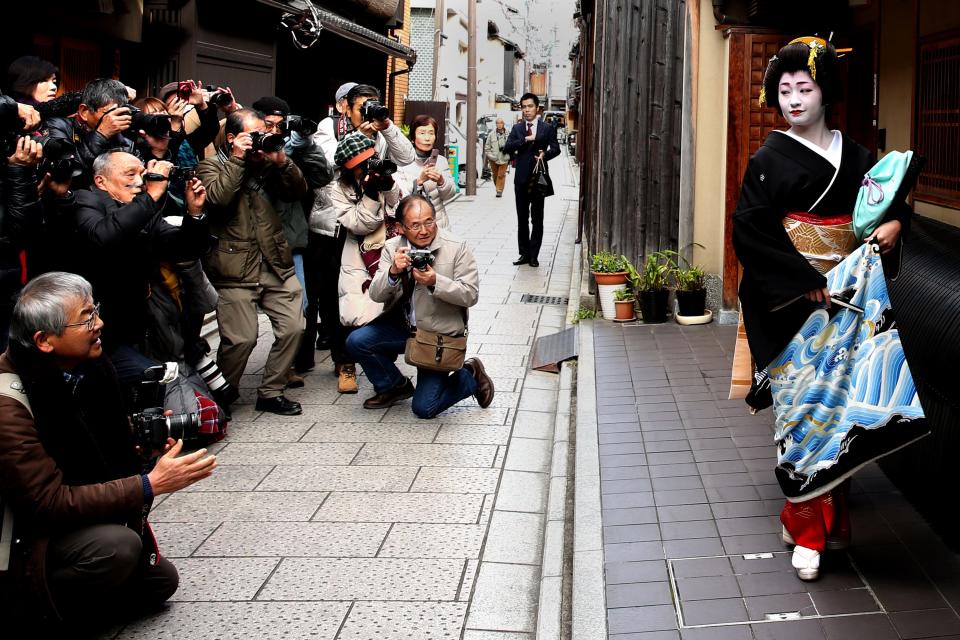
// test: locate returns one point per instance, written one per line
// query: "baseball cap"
(344, 89)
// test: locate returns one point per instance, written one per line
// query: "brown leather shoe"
(391, 397)
(347, 378)
(485, 390)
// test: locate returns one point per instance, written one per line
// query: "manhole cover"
(535, 298)
(763, 587)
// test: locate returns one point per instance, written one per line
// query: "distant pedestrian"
(529, 141)
(496, 156)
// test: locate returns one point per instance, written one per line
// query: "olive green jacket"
(246, 225)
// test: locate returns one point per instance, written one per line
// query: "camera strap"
(12, 387)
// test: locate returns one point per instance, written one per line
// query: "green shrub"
(606, 262)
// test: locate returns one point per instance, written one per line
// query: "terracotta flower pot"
(617, 277)
(625, 309)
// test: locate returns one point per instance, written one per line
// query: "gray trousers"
(281, 300)
(100, 569)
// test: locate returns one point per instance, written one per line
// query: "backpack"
(11, 387)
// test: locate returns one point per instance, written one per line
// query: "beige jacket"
(441, 308)
(363, 221)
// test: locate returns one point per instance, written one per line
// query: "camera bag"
(435, 351)
(11, 387)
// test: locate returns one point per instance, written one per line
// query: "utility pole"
(471, 97)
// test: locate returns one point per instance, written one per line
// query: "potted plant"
(691, 293)
(625, 303)
(650, 284)
(691, 290)
(609, 268)
(610, 272)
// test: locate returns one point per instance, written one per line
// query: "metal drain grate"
(536, 298)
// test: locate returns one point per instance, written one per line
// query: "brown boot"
(485, 390)
(294, 379)
(391, 397)
(347, 378)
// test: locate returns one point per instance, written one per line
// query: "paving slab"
(690, 513)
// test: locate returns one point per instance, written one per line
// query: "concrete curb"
(589, 615)
(550, 607)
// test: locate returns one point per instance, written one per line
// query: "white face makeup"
(801, 100)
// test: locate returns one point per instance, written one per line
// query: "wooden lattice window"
(938, 119)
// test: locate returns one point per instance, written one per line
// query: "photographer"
(123, 238)
(309, 158)
(99, 126)
(252, 264)
(81, 549)
(36, 223)
(201, 122)
(32, 80)
(364, 198)
(431, 292)
(388, 143)
(429, 175)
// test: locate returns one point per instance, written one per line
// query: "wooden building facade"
(628, 67)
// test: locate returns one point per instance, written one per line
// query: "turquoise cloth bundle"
(878, 191)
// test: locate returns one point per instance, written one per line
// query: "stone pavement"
(690, 541)
(348, 523)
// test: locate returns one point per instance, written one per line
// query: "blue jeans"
(375, 347)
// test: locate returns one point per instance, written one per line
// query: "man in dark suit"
(529, 141)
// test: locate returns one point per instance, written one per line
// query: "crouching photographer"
(426, 280)
(72, 484)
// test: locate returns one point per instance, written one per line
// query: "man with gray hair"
(75, 545)
(123, 238)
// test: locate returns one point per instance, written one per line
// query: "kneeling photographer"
(426, 280)
(71, 481)
(363, 198)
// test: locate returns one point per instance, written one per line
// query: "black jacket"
(89, 145)
(121, 247)
(523, 151)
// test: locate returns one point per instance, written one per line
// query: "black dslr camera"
(380, 167)
(218, 97)
(267, 142)
(59, 160)
(150, 427)
(372, 110)
(301, 125)
(153, 124)
(420, 259)
(183, 173)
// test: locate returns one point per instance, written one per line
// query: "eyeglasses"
(417, 226)
(90, 322)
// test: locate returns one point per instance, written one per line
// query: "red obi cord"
(809, 218)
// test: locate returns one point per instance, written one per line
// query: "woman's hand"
(886, 235)
(819, 295)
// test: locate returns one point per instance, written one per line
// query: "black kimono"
(786, 176)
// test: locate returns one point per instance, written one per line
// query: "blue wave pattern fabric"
(842, 391)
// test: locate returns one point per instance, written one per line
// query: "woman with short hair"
(429, 174)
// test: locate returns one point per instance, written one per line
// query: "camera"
(153, 124)
(381, 167)
(59, 160)
(150, 427)
(420, 258)
(299, 124)
(267, 142)
(372, 110)
(218, 97)
(183, 173)
(184, 89)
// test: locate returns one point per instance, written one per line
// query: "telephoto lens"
(223, 392)
(267, 142)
